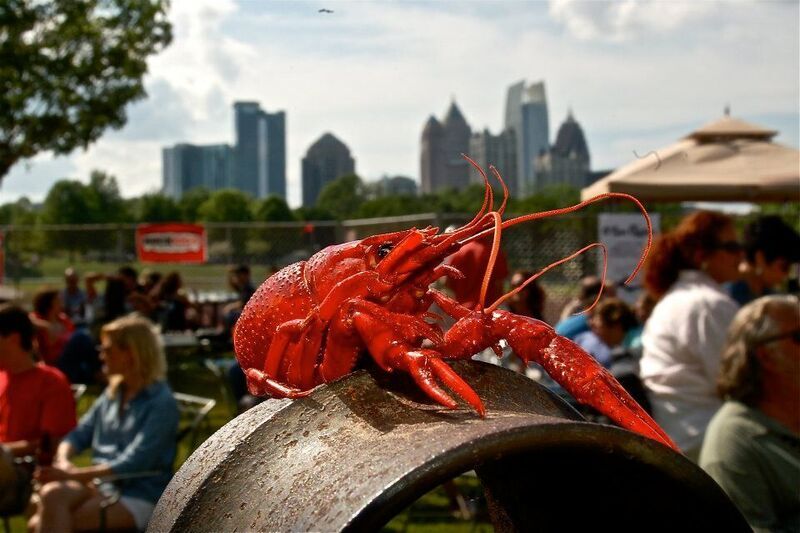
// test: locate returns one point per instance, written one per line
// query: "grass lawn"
(432, 512)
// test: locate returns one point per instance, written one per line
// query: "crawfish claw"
(425, 367)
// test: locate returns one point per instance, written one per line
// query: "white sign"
(625, 236)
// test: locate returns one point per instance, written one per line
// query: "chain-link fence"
(38, 255)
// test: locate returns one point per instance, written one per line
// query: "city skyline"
(638, 78)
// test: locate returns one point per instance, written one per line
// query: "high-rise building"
(498, 150)
(186, 166)
(567, 162)
(442, 143)
(395, 186)
(327, 159)
(260, 150)
(255, 165)
(526, 114)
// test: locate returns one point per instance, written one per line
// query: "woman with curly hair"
(683, 338)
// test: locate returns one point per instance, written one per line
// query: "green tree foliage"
(19, 213)
(72, 202)
(67, 202)
(191, 201)
(227, 205)
(389, 206)
(68, 68)
(343, 196)
(273, 209)
(157, 208)
(105, 202)
(307, 213)
(273, 244)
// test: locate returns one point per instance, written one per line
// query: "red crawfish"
(310, 322)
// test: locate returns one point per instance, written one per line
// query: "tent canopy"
(727, 160)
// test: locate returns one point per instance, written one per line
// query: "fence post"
(229, 241)
(120, 245)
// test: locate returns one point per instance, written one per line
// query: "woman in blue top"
(130, 428)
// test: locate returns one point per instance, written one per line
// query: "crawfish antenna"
(502, 184)
(488, 193)
(576, 207)
(530, 280)
(487, 276)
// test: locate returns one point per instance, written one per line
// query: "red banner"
(171, 243)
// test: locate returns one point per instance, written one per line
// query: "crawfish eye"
(384, 249)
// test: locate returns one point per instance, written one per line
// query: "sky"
(636, 74)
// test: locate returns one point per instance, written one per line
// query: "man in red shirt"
(36, 402)
(472, 260)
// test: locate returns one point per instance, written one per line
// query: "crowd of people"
(109, 339)
(711, 349)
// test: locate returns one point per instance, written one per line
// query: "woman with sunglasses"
(684, 335)
(752, 446)
(131, 428)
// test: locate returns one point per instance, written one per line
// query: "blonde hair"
(139, 336)
(740, 370)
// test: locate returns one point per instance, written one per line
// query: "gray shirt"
(756, 460)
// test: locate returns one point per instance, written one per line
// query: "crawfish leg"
(262, 382)
(344, 342)
(578, 372)
(390, 351)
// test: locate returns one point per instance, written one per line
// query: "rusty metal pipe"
(357, 451)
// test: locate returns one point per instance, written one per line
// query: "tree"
(68, 68)
(311, 214)
(68, 202)
(273, 209)
(191, 201)
(105, 201)
(227, 205)
(343, 196)
(157, 208)
(72, 202)
(388, 206)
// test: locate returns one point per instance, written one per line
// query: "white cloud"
(622, 20)
(371, 73)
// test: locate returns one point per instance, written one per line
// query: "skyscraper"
(327, 159)
(526, 114)
(442, 143)
(260, 150)
(186, 166)
(498, 150)
(567, 162)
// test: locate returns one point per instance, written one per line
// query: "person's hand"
(62, 463)
(46, 474)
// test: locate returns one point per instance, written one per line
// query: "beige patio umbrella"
(727, 160)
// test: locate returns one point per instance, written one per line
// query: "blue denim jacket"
(141, 438)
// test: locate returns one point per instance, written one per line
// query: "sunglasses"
(794, 335)
(733, 247)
